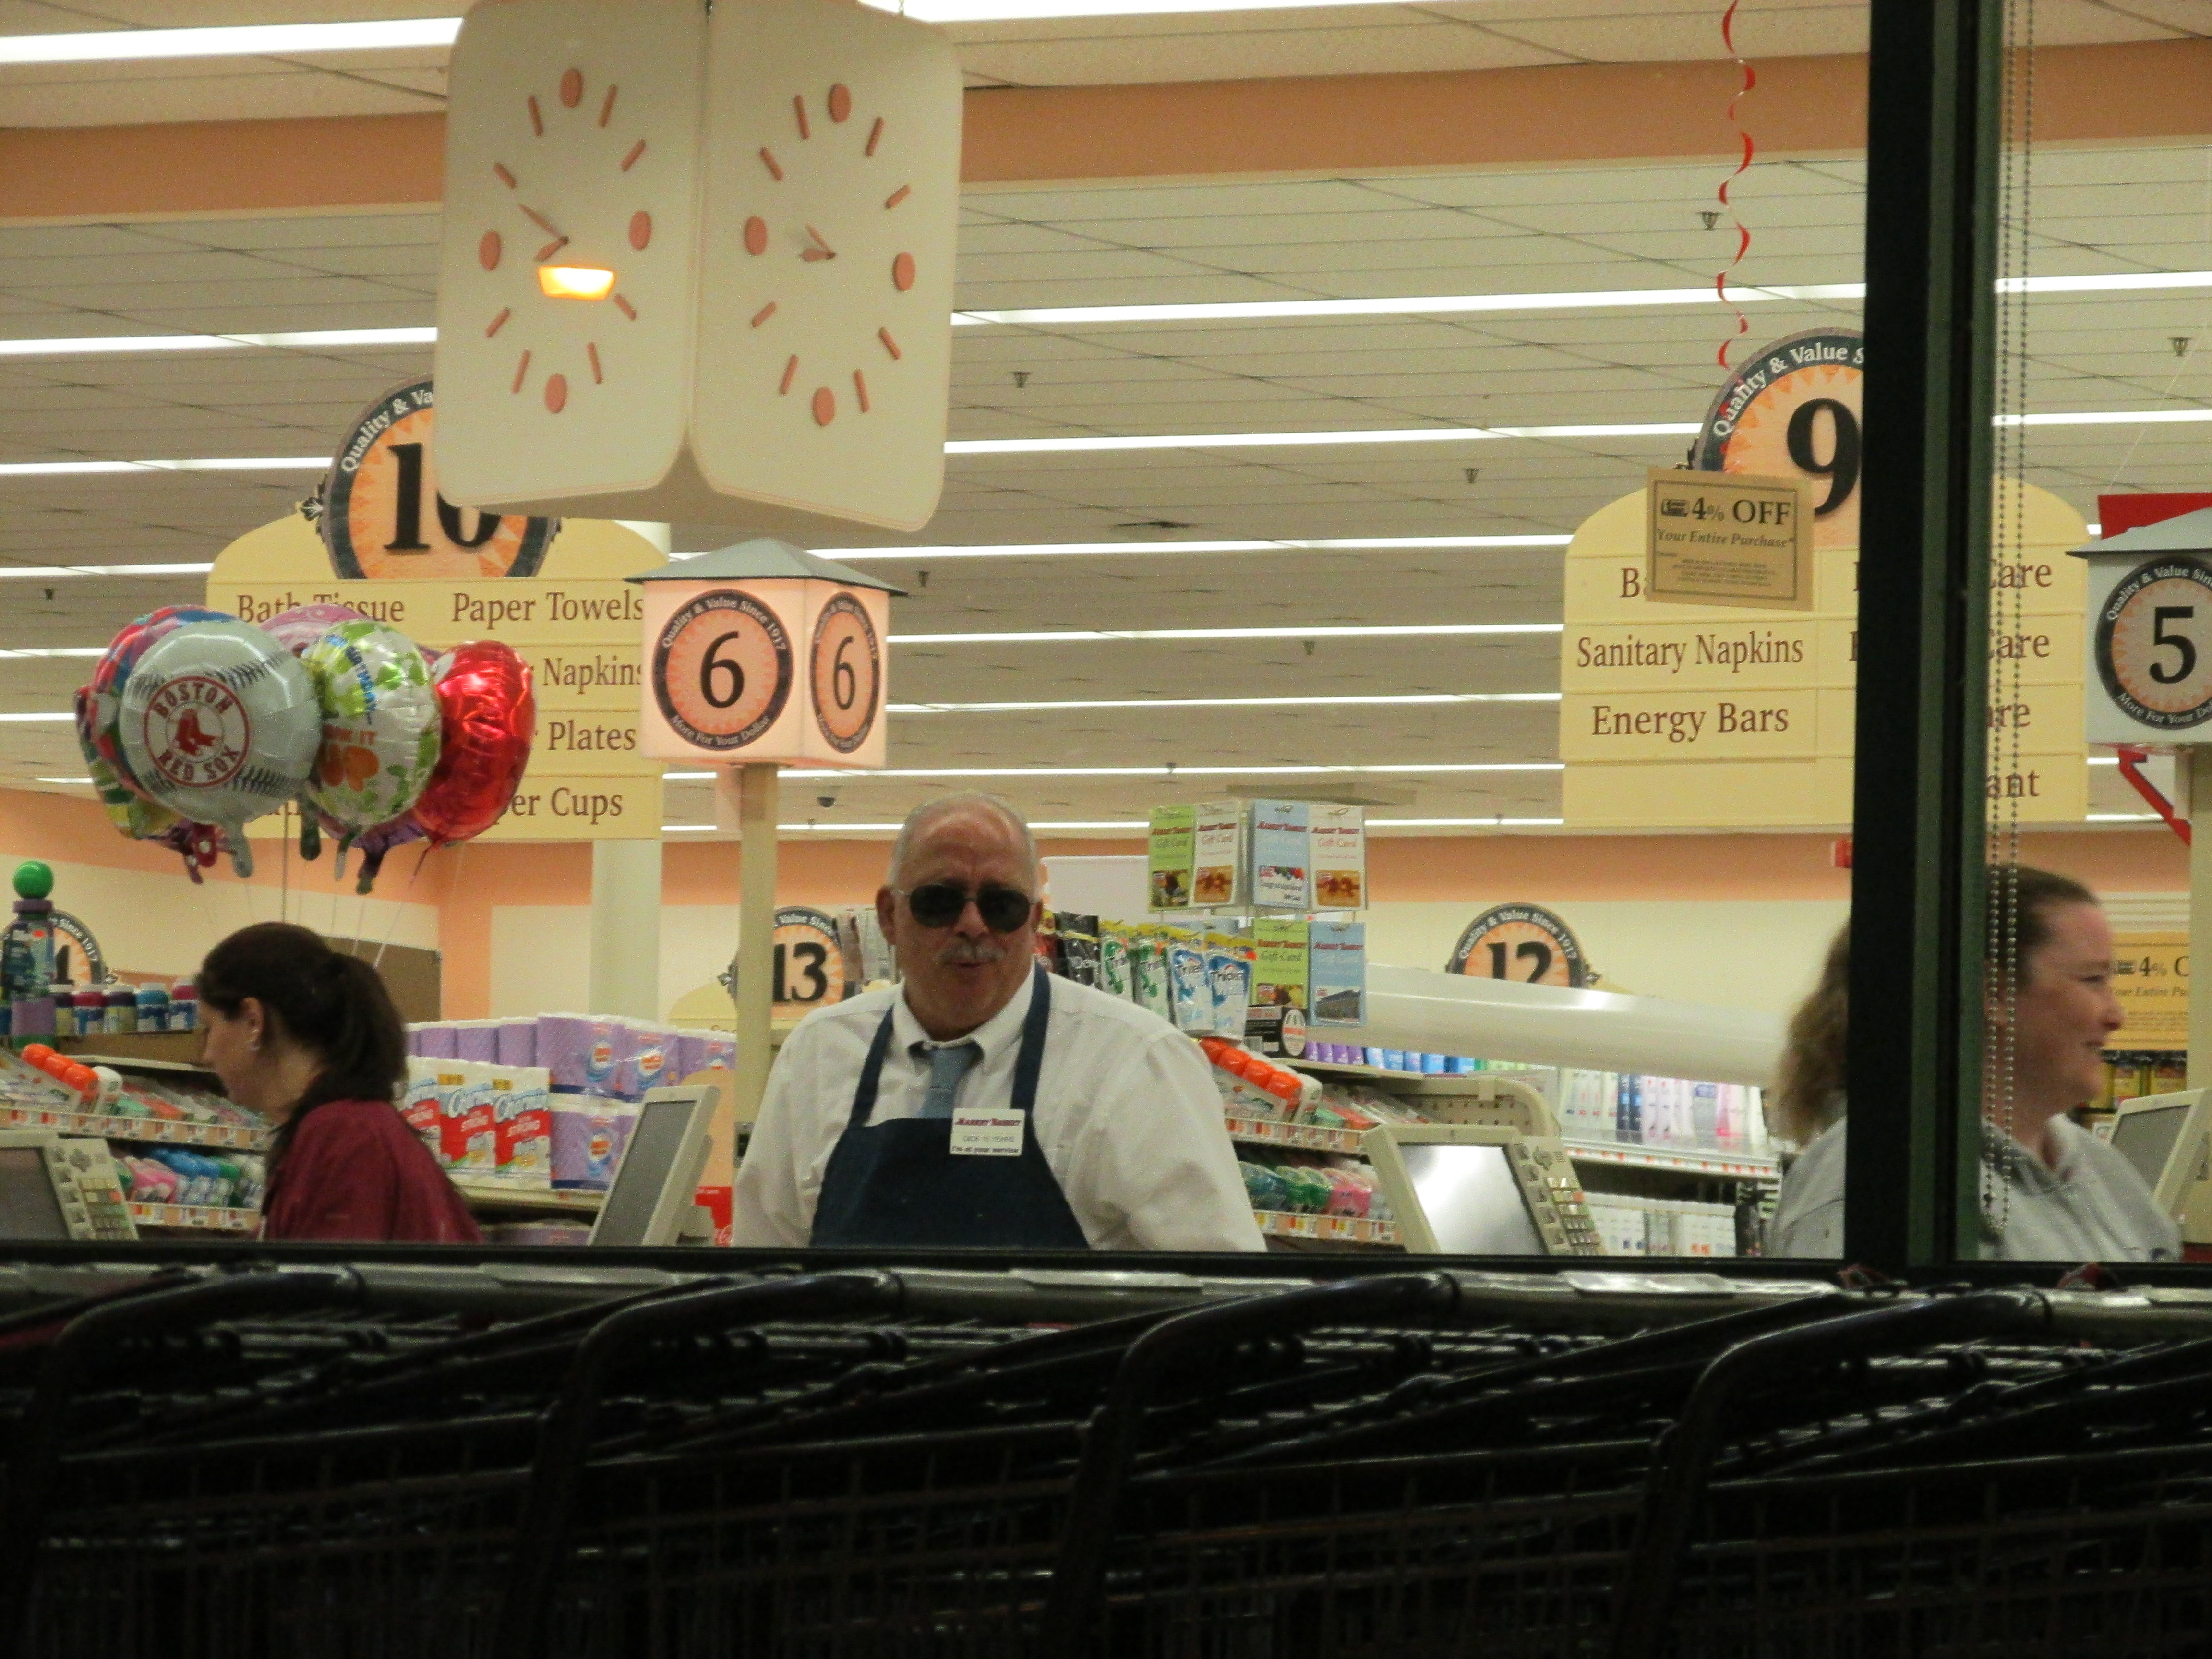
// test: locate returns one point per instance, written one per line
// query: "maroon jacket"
(356, 1171)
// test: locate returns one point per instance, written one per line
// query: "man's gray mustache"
(971, 951)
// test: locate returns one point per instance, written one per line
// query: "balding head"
(923, 823)
(964, 855)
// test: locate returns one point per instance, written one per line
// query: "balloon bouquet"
(196, 723)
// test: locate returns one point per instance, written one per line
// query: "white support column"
(626, 928)
(625, 968)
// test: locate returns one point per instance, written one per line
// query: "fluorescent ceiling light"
(84, 780)
(2106, 417)
(689, 829)
(251, 40)
(1069, 550)
(886, 828)
(123, 344)
(221, 463)
(21, 719)
(2120, 817)
(1418, 434)
(58, 651)
(1402, 305)
(24, 572)
(1220, 702)
(1457, 824)
(1058, 635)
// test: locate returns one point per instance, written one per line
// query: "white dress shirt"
(2092, 1208)
(1127, 1116)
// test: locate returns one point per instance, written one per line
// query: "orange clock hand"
(541, 220)
(822, 251)
(551, 248)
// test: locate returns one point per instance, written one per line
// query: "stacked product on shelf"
(1633, 1226)
(185, 1156)
(543, 1104)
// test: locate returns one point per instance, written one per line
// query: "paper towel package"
(589, 1131)
(420, 1104)
(646, 1060)
(436, 1041)
(518, 1043)
(471, 1132)
(522, 1115)
(476, 1039)
(579, 1050)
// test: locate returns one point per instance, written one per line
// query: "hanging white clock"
(777, 355)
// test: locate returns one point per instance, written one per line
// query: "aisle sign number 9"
(1793, 410)
(767, 670)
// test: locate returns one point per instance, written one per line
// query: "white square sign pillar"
(698, 267)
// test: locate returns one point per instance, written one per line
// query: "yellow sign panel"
(1728, 538)
(1685, 715)
(558, 806)
(516, 611)
(2150, 975)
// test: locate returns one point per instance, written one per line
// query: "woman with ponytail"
(307, 1037)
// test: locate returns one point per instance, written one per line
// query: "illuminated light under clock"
(575, 281)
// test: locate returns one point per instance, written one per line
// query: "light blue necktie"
(947, 1065)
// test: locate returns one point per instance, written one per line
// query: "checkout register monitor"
(1480, 1190)
(652, 1194)
(2168, 1138)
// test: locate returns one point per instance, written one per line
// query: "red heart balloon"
(489, 718)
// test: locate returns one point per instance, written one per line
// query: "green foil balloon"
(380, 724)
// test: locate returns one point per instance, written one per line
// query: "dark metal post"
(1913, 1074)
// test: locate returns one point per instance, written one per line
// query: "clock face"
(565, 283)
(826, 288)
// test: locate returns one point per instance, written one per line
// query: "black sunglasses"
(940, 904)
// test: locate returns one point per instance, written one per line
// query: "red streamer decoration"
(1742, 233)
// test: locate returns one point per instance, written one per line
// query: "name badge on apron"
(986, 1132)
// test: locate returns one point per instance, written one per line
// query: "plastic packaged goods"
(153, 1007)
(589, 1131)
(470, 1132)
(122, 1012)
(522, 1125)
(183, 1007)
(1114, 976)
(1228, 982)
(1046, 942)
(86, 1014)
(421, 1103)
(1080, 945)
(1263, 1186)
(1149, 972)
(517, 1042)
(1187, 981)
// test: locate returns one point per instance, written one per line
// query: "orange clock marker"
(626, 307)
(861, 389)
(798, 108)
(903, 272)
(890, 344)
(756, 235)
(825, 405)
(520, 369)
(607, 108)
(840, 102)
(767, 156)
(875, 133)
(537, 121)
(592, 350)
(789, 369)
(500, 321)
(557, 393)
(641, 229)
(487, 251)
(630, 160)
(572, 88)
(499, 170)
(898, 196)
(764, 314)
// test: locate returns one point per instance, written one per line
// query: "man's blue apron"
(900, 1183)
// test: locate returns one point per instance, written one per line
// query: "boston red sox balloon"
(221, 724)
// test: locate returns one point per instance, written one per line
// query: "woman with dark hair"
(2053, 1192)
(307, 1036)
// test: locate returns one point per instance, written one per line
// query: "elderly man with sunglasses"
(984, 1103)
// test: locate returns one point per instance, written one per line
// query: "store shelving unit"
(198, 1217)
(1327, 1229)
(1265, 1132)
(166, 1131)
(1698, 1161)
